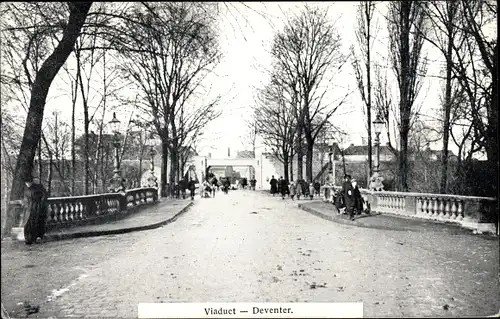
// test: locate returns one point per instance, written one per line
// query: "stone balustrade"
(68, 211)
(477, 213)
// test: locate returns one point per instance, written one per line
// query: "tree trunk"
(285, 166)
(291, 168)
(369, 87)
(73, 136)
(300, 156)
(39, 91)
(164, 167)
(404, 93)
(40, 161)
(492, 145)
(309, 161)
(443, 189)
(86, 123)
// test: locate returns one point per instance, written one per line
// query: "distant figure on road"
(244, 183)
(348, 193)
(183, 186)
(253, 182)
(213, 185)
(311, 191)
(226, 184)
(293, 189)
(35, 211)
(192, 187)
(274, 185)
(283, 187)
(298, 189)
(207, 190)
(317, 188)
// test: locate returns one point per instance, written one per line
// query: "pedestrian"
(358, 199)
(292, 188)
(311, 191)
(206, 189)
(192, 187)
(213, 185)
(274, 185)
(348, 193)
(35, 212)
(299, 189)
(283, 187)
(317, 188)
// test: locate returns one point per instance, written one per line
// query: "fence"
(477, 213)
(65, 212)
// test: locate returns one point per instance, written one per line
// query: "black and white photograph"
(333, 159)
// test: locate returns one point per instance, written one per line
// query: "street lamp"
(376, 179)
(378, 125)
(117, 180)
(331, 170)
(152, 180)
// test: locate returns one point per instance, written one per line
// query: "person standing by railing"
(348, 192)
(35, 211)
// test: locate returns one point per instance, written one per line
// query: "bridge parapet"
(478, 213)
(76, 210)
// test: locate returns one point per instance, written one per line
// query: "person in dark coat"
(274, 185)
(283, 187)
(35, 211)
(358, 199)
(191, 186)
(348, 192)
(317, 188)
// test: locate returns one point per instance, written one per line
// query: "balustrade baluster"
(432, 211)
(453, 209)
(447, 214)
(460, 211)
(442, 213)
(68, 211)
(418, 205)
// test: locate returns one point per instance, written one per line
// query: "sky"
(246, 31)
(246, 43)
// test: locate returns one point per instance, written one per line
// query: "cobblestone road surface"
(250, 247)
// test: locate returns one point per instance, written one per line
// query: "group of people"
(350, 197)
(299, 188)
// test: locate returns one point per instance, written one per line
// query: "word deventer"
(255, 310)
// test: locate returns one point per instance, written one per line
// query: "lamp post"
(342, 149)
(117, 180)
(152, 180)
(331, 170)
(376, 179)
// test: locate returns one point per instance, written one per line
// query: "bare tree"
(41, 84)
(276, 121)
(404, 18)
(172, 50)
(443, 17)
(309, 49)
(250, 138)
(364, 38)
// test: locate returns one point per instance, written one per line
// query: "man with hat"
(348, 192)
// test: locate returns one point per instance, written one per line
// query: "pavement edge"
(56, 237)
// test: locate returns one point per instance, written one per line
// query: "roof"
(363, 150)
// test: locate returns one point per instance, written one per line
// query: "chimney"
(209, 155)
(228, 152)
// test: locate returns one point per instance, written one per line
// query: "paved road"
(247, 246)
